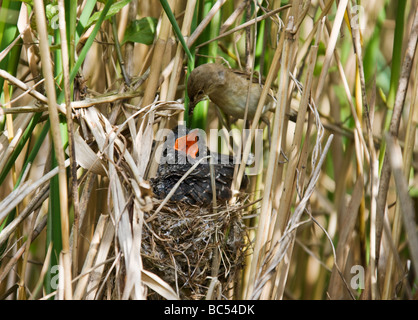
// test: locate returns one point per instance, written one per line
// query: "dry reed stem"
(178, 59)
(5, 270)
(234, 16)
(24, 190)
(347, 92)
(6, 51)
(24, 109)
(370, 152)
(406, 204)
(288, 194)
(9, 118)
(241, 26)
(331, 46)
(249, 66)
(281, 245)
(348, 219)
(160, 45)
(21, 85)
(132, 9)
(152, 85)
(30, 207)
(394, 124)
(362, 104)
(24, 263)
(70, 130)
(271, 75)
(274, 152)
(407, 157)
(283, 190)
(134, 287)
(93, 290)
(205, 22)
(44, 269)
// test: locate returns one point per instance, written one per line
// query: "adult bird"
(228, 89)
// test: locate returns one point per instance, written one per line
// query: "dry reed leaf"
(344, 242)
(24, 190)
(158, 285)
(43, 271)
(20, 122)
(134, 287)
(41, 195)
(86, 157)
(143, 145)
(128, 231)
(9, 149)
(4, 53)
(91, 255)
(6, 202)
(102, 253)
(91, 117)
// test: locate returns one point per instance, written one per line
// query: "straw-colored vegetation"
(86, 86)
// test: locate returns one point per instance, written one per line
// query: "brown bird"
(228, 89)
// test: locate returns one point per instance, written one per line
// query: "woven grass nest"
(190, 246)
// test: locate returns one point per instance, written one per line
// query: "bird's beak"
(192, 105)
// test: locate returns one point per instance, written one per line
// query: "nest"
(189, 246)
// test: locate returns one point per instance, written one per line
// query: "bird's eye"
(200, 92)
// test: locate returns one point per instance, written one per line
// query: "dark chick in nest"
(181, 150)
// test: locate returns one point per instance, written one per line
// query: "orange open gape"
(188, 143)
